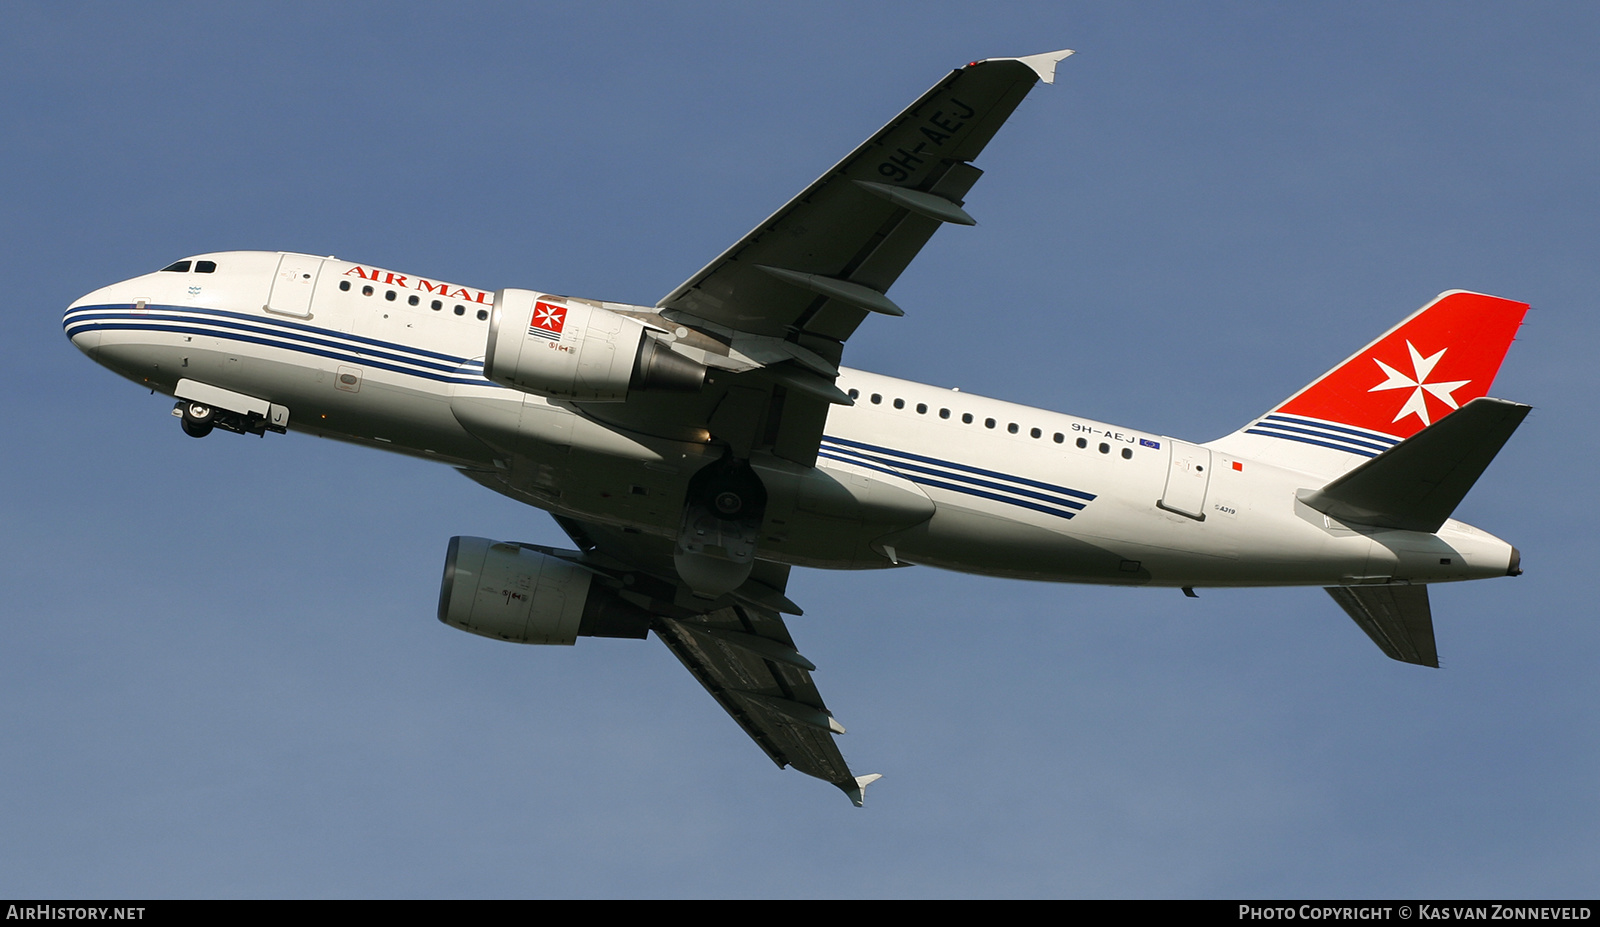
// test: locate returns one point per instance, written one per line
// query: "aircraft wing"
(819, 264)
(737, 647)
(770, 316)
(771, 313)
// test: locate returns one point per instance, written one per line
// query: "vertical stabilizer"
(1422, 370)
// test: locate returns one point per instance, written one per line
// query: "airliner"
(695, 451)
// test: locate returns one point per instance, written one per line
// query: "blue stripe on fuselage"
(304, 339)
(1039, 496)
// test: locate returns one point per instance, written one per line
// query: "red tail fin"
(1442, 357)
(1425, 368)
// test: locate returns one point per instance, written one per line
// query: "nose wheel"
(197, 420)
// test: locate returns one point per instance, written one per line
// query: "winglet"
(857, 789)
(1043, 65)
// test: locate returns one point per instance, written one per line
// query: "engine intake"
(511, 592)
(547, 346)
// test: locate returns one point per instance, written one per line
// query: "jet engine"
(514, 592)
(551, 347)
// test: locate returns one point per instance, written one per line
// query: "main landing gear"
(721, 524)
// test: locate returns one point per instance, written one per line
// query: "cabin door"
(293, 285)
(1188, 475)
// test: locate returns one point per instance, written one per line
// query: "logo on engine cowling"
(547, 321)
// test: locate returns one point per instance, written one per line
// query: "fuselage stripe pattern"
(305, 339)
(934, 472)
(1323, 434)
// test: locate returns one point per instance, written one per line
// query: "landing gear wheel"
(197, 420)
(728, 504)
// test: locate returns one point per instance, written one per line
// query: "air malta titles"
(390, 278)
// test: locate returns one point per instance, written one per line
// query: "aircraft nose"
(79, 321)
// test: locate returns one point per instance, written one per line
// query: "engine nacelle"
(510, 592)
(547, 346)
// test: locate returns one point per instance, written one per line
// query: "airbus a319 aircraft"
(695, 451)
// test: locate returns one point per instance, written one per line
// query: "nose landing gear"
(197, 420)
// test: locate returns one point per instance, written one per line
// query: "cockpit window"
(181, 267)
(205, 267)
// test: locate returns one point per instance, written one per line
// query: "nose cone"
(80, 321)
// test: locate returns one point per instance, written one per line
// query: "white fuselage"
(911, 474)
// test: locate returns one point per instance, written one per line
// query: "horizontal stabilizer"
(1415, 485)
(1397, 618)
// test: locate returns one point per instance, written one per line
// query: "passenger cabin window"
(461, 310)
(483, 314)
(205, 267)
(413, 300)
(180, 267)
(344, 285)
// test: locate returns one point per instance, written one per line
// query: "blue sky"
(220, 673)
